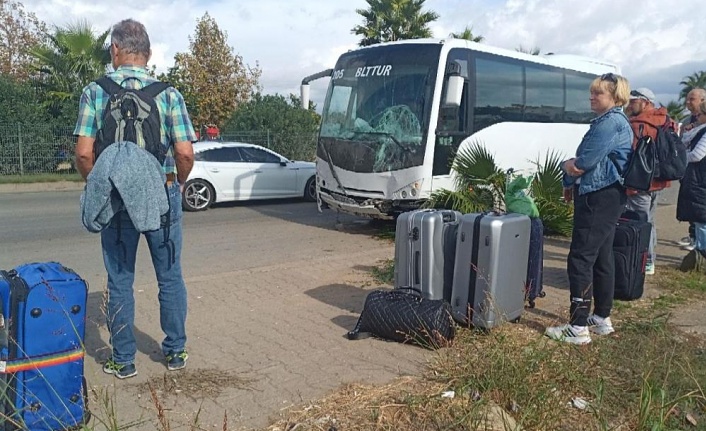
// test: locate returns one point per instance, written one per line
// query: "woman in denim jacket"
(593, 181)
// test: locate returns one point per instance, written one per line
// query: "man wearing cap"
(644, 115)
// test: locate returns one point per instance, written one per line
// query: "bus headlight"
(410, 191)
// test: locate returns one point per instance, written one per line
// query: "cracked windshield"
(377, 109)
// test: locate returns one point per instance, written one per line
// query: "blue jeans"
(700, 236)
(119, 242)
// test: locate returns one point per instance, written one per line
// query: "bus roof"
(565, 61)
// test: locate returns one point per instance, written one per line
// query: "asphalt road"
(234, 236)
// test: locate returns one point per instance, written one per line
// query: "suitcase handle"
(417, 263)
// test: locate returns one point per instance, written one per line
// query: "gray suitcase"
(491, 268)
(425, 244)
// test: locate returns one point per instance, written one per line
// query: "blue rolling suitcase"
(42, 330)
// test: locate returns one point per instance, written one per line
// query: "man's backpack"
(670, 153)
(641, 166)
(131, 115)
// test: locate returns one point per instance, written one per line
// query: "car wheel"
(310, 190)
(198, 195)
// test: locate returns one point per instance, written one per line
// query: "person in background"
(645, 120)
(691, 203)
(593, 180)
(693, 99)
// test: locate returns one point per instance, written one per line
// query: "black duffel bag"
(403, 315)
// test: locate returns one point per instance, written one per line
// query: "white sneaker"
(685, 241)
(600, 325)
(689, 247)
(569, 334)
(650, 269)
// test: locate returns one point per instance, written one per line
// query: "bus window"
(336, 116)
(499, 92)
(578, 107)
(544, 96)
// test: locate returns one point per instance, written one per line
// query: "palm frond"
(475, 165)
(547, 191)
(547, 181)
(465, 201)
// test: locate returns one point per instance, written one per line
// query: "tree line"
(43, 69)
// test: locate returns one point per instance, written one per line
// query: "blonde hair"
(615, 85)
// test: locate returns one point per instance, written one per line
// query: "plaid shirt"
(176, 125)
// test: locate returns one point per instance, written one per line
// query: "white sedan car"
(235, 171)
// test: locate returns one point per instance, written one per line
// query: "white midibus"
(396, 113)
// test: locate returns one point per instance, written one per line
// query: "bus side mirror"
(454, 91)
(305, 96)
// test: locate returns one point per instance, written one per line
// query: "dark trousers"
(591, 264)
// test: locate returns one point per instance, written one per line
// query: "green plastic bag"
(517, 200)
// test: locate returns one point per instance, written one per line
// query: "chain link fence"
(28, 149)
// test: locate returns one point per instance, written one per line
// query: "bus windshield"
(377, 109)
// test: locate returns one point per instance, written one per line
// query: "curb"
(60, 186)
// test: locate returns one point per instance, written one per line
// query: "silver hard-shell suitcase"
(425, 244)
(490, 269)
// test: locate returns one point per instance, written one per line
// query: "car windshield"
(377, 108)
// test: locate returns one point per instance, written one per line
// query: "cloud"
(656, 45)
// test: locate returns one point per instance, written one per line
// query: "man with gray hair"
(130, 51)
(693, 100)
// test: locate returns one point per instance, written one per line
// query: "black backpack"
(131, 115)
(670, 164)
(640, 171)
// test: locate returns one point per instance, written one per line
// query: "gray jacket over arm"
(124, 176)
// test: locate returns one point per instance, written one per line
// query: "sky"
(655, 45)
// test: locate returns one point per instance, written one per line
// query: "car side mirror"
(283, 163)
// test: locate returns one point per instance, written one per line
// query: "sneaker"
(689, 247)
(121, 371)
(569, 334)
(650, 269)
(177, 361)
(600, 325)
(687, 240)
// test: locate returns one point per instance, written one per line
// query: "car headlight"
(410, 191)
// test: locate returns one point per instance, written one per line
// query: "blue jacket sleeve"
(596, 144)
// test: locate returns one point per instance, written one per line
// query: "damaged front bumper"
(366, 207)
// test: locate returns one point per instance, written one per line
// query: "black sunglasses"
(609, 77)
(635, 93)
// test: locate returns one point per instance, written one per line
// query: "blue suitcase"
(41, 347)
(535, 265)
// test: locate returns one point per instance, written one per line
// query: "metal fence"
(27, 149)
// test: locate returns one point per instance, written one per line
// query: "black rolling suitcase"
(630, 248)
(535, 265)
(41, 348)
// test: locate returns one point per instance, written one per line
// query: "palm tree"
(695, 80)
(467, 34)
(480, 186)
(72, 58)
(532, 51)
(388, 20)
(676, 111)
